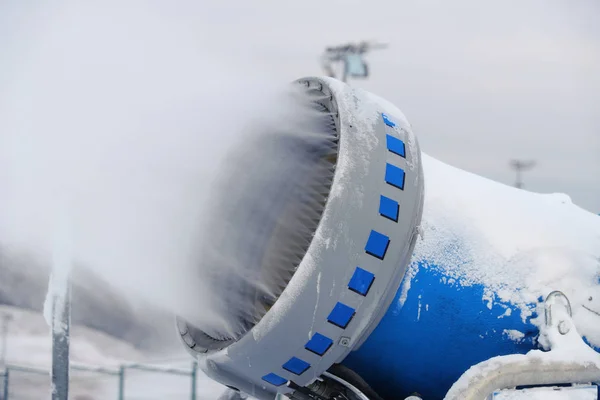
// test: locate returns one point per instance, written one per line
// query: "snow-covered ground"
(29, 345)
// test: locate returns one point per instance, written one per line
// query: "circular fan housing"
(337, 240)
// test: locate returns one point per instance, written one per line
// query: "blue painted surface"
(318, 344)
(341, 315)
(441, 330)
(377, 244)
(394, 176)
(361, 281)
(395, 145)
(388, 121)
(389, 208)
(274, 379)
(296, 366)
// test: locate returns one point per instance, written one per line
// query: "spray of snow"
(351, 159)
(132, 124)
(290, 295)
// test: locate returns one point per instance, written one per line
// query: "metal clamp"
(548, 305)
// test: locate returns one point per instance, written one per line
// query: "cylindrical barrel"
(486, 255)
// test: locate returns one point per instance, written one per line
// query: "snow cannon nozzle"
(315, 227)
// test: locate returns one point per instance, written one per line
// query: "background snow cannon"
(342, 301)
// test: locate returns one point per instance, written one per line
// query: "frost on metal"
(518, 245)
(57, 308)
(57, 295)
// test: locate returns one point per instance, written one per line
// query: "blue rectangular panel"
(377, 244)
(274, 379)
(341, 315)
(394, 176)
(389, 208)
(361, 281)
(296, 366)
(395, 145)
(318, 344)
(387, 120)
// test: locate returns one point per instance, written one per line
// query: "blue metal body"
(438, 326)
(424, 344)
(441, 330)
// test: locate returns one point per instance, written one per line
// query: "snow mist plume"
(153, 147)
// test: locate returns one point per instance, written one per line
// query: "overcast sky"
(481, 83)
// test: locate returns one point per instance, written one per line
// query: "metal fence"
(19, 382)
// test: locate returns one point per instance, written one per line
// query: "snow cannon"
(387, 274)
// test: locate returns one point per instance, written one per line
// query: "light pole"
(6, 318)
(61, 332)
(58, 302)
(520, 166)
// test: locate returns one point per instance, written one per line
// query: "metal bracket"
(548, 303)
